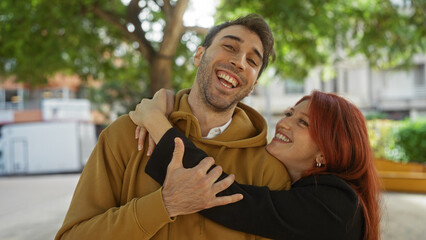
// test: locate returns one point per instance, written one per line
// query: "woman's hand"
(162, 101)
(189, 190)
(140, 134)
(147, 112)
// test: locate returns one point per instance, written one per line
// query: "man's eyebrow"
(235, 38)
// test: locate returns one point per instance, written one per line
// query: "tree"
(143, 39)
(107, 40)
(310, 33)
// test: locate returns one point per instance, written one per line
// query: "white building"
(399, 93)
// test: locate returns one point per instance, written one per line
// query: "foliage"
(103, 40)
(382, 135)
(183, 66)
(38, 38)
(376, 115)
(411, 137)
(116, 97)
(126, 40)
(310, 33)
(401, 141)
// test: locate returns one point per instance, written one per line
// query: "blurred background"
(69, 68)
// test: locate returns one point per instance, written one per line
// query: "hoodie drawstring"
(222, 148)
(188, 126)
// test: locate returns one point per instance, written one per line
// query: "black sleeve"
(295, 214)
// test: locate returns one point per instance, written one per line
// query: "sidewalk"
(404, 216)
(33, 207)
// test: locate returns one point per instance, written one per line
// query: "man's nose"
(238, 61)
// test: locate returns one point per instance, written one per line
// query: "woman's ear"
(319, 160)
(199, 55)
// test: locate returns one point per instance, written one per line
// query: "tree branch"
(133, 11)
(167, 8)
(198, 30)
(174, 29)
(144, 47)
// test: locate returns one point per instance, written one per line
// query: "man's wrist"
(167, 205)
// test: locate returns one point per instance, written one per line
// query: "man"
(116, 199)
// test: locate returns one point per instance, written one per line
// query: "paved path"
(404, 216)
(33, 208)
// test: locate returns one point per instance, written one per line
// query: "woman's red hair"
(338, 128)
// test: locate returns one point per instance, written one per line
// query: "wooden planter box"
(403, 177)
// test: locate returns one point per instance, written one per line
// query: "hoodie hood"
(248, 128)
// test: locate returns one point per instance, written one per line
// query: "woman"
(323, 142)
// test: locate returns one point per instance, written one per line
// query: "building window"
(345, 81)
(335, 87)
(420, 75)
(292, 87)
(12, 99)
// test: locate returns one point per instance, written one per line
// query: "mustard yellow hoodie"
(116, 199)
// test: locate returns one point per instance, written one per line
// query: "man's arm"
(96, 211)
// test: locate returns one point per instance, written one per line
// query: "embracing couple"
(212, 174)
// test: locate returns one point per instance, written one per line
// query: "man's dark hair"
(254, 23)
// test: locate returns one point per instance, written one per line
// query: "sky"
(200, 13)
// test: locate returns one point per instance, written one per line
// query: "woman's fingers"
(170, 101)
(137, 131)
(141, 136)
(151, 145)
(132, 116)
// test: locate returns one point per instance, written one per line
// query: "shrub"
(382, 139)
(376, 115)
(411, 137)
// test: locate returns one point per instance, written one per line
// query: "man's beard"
(204, 78)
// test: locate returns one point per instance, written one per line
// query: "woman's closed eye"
(288, 114)
(303, 122)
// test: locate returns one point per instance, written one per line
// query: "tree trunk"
(160, 74)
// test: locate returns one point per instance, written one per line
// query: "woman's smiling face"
(292, 144)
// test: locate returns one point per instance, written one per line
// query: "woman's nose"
(285, 123)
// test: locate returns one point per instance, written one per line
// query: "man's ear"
(199, 55)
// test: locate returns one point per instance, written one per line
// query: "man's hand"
(190, 190)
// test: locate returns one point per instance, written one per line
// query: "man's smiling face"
(228, 68)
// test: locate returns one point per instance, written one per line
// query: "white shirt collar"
(214, 132)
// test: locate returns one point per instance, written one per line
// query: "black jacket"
(316, 207)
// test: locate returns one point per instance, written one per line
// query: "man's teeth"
(282, 137)
(228, 79)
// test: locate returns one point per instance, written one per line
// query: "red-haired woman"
(323, 143)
